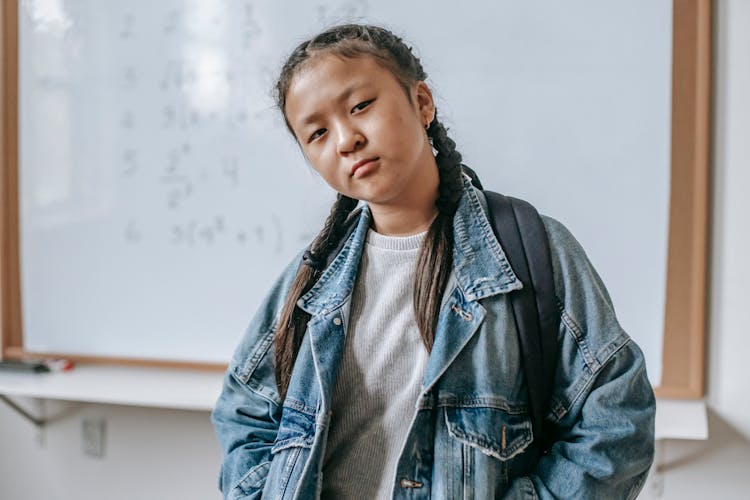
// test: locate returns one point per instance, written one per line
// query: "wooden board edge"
(683, 356)
(10, 288)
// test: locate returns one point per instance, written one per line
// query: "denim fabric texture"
(471, 435)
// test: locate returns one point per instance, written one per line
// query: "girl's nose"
(350, 140)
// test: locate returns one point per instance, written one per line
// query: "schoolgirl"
(384, 362)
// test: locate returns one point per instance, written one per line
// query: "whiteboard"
(160, 194)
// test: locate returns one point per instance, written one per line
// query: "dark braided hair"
(436, 253)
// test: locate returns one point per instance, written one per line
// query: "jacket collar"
(336, 283)
(480, 266)
(479, 262)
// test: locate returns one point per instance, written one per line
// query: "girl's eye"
(316, 134)
(362, 105)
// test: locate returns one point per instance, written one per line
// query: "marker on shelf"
(23, 366)
(60, 365)
(36, 366)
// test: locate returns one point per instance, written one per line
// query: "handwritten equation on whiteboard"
(185, 153)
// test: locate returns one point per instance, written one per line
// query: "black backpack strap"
(521, 232)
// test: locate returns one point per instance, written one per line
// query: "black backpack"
(521, 233)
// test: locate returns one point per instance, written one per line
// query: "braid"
(331, 233)
(448, 161)
(293, 320)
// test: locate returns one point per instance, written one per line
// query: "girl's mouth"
(362, 167)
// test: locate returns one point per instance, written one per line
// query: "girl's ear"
(425, 103)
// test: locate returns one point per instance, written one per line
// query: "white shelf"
(198, 390)
(681, 419)
(132, 386)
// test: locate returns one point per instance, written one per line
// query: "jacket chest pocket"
(496, 433)
(489, 448)
(289, 453)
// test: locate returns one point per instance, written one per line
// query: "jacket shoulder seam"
(583, 383)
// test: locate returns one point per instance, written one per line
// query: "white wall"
(149, 454)
(164, 454)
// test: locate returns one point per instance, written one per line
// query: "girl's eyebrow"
(343, 96)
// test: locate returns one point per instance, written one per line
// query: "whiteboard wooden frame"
(685, 309)
(683, 357)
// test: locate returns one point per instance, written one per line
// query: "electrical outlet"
(93, 431)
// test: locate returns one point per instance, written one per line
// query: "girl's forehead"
(332, 70)
(329, 78)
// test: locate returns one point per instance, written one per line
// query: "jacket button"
(408, 483)
(465, 315)
(337, 321)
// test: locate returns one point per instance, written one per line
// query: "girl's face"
(362, 133)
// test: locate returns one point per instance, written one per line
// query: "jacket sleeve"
(247, 413)
(602, 405)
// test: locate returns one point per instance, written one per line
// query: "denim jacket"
(471, 433)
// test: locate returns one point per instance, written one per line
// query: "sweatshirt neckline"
(399, 243)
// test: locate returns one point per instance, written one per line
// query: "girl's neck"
(403, 221)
